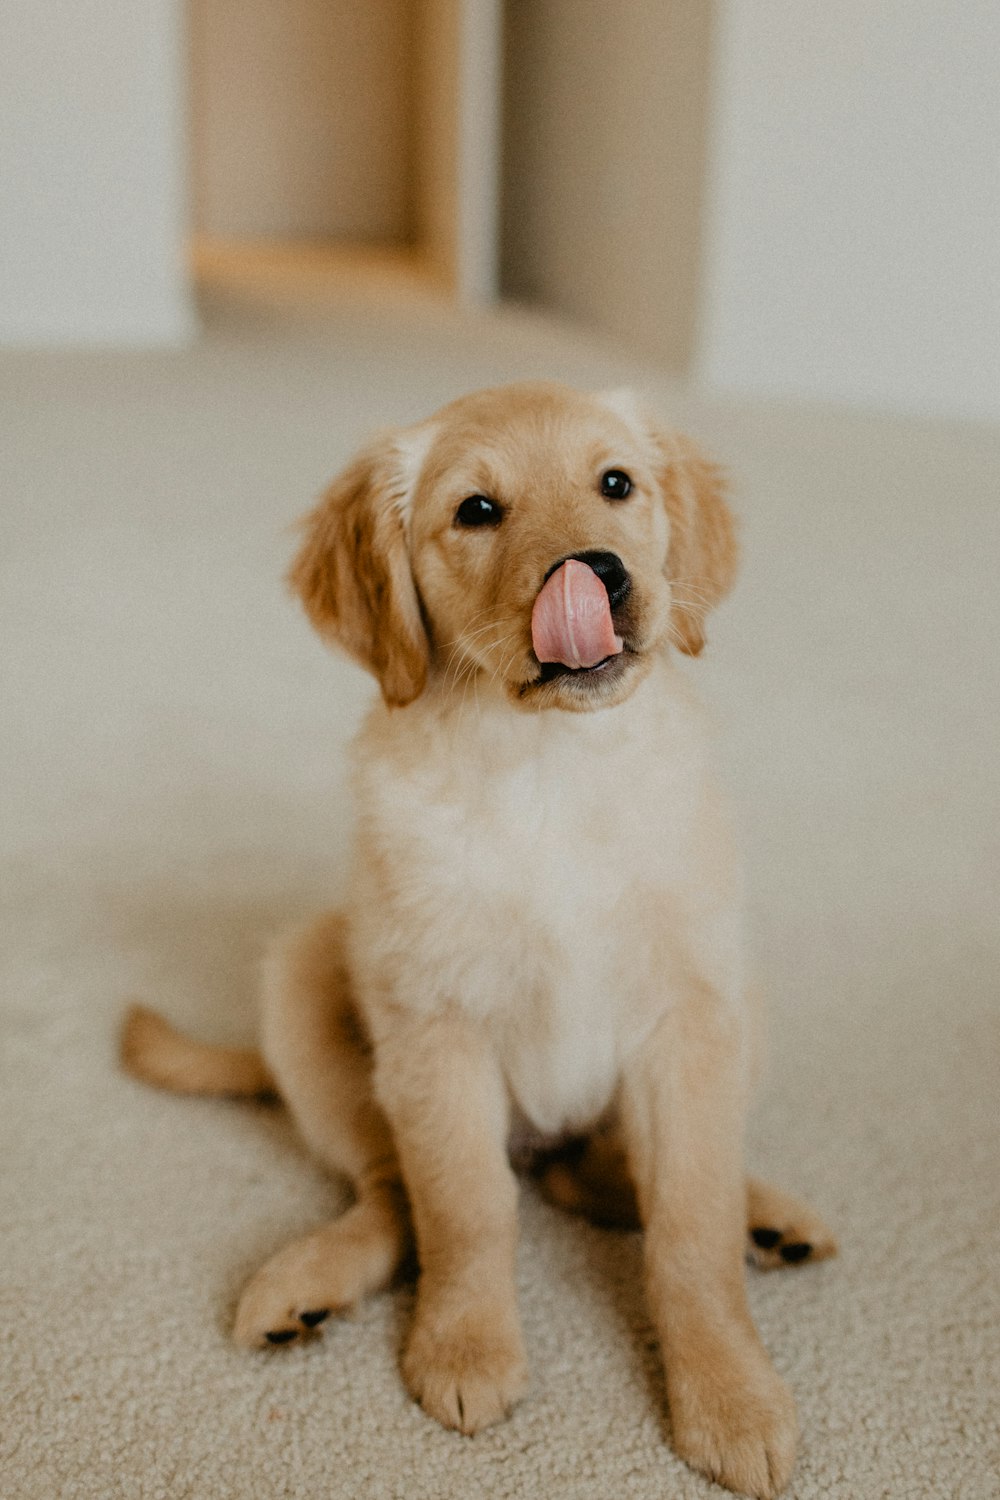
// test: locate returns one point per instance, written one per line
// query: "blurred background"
(777, 196)
(238, 236)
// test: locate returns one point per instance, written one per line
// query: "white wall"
(303, 118)
(854, 222)
(92, 173)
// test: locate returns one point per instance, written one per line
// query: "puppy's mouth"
(550, 670)
(554, 684)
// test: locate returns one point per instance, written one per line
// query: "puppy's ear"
(352, 572)
(703, 553)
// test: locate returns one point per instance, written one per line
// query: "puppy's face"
(544, 539)
(515, 483)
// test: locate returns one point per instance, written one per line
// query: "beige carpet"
(172, 791)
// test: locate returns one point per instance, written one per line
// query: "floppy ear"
(352, 572)
(702, 554)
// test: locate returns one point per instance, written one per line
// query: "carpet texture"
(172, 791)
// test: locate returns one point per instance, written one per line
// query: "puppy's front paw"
(733, 1418)
(466, 1369)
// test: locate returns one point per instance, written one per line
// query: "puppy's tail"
(153, 1050)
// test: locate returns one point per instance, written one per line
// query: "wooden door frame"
(459, 49)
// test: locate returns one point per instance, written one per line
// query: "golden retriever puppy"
(540, 949)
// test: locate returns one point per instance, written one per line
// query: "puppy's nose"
(610, 570)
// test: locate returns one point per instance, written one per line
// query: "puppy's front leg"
(683, 1106)
(440, 1085)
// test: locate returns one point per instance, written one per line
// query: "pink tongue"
(571, 620)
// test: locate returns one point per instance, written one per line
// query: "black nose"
(610, 570)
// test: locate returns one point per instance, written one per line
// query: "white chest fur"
(527, 868)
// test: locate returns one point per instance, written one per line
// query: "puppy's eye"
(478, 510)
(615, 484)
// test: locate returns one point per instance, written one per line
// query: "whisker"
(475, 634)
(675, 637)
(496, 645)
(697, 596)
(465, 635)
(706, 596)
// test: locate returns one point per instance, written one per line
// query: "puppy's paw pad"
(304, 1324)
(295, 1326)
(771, 1248)
(267, 1318)
(798, 1251)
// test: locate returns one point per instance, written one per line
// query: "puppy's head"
(549, 540)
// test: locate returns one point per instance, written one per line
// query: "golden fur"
(541, 943)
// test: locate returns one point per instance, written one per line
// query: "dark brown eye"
(615, 484)
(478, 510)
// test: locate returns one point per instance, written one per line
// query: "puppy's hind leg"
(782, 1230)
(320, 1058)
(594, 1181)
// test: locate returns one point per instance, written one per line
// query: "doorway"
(328, 134)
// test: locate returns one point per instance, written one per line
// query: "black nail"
(313, 1319)
(280, 1336)
(766, 1238)
(796, 1252)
